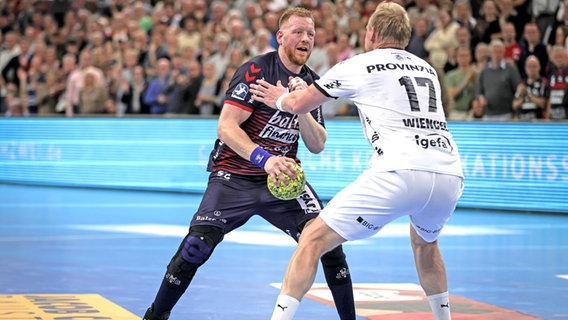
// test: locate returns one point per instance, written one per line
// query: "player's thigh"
(319, 235)
(445, 192)
(366, 205)
(228, 202)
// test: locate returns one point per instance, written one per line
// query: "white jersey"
(399, 100)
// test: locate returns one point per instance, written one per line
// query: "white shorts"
(376, 198)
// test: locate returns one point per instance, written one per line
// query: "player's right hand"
(280, 169)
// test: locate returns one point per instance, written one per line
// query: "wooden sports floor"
(72, 253)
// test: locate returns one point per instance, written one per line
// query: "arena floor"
(71, 253)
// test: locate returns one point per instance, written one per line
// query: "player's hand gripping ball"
(291, 190)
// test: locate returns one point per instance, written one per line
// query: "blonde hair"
(391, 23)
(298, 11)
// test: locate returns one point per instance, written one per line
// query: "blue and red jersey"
(276, 131)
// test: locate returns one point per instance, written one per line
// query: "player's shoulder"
(387, 55)
(255, 68)
(262, 61)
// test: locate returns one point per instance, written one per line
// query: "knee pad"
(194, 250)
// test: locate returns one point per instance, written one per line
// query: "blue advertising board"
(510, 166)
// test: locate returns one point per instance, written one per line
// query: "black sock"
(339, 282)
(168, 295)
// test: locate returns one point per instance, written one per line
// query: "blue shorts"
(230, 200)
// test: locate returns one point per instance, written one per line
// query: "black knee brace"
(194, 250)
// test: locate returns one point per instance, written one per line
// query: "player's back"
(399, 100)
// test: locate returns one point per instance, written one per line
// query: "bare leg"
(432, 274)
(316, 239)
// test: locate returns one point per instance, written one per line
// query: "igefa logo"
(434, 140)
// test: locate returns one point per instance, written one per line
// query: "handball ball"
(291, 190)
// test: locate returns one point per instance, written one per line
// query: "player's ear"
(373, 35)
(279, 35)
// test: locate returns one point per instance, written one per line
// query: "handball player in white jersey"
(415, 169)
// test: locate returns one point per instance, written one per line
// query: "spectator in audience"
(251, 10)
(10, 49)
(122, 34)
(236, 56)
(464, 17)
(222, 53)
(442, 37)
(207, 99)
(223, 85)
(345, 50)
(76, 79)
(160, 88)
(92, 95)
(318, 58)
(195, 82)
(509, 13)
(133, 91)
(452, 60)
(461, 84)
(261, 43)
(189, 35)
(50, 60)
(489, 22)
(560, 21)
(463, 39)
(30, 77)
(558, 81)
(217, 14)
(559, 38)
(332, 57)
(354, 27)
(482, 55)
(271, 23)
(185, 89)
(13, 57)
(48, 92)
(512, 47)
(532, 94)
(14, 105)
(544, 14)
(497, 85)
(423, 9)
(420, 33)
(157, 49)
(206, 49)
(68, 65)
(531, 45)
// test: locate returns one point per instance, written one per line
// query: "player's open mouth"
(302, 49)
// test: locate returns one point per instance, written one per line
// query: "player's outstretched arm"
(298, 102)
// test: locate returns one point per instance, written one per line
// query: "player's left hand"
(266, 93)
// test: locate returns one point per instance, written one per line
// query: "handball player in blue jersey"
(254, 141)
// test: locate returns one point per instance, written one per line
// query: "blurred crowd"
(497, 59)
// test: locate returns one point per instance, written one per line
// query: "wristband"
(259, 156)
(279, 102)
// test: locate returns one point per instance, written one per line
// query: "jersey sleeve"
(339, 81)
(238, 94)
